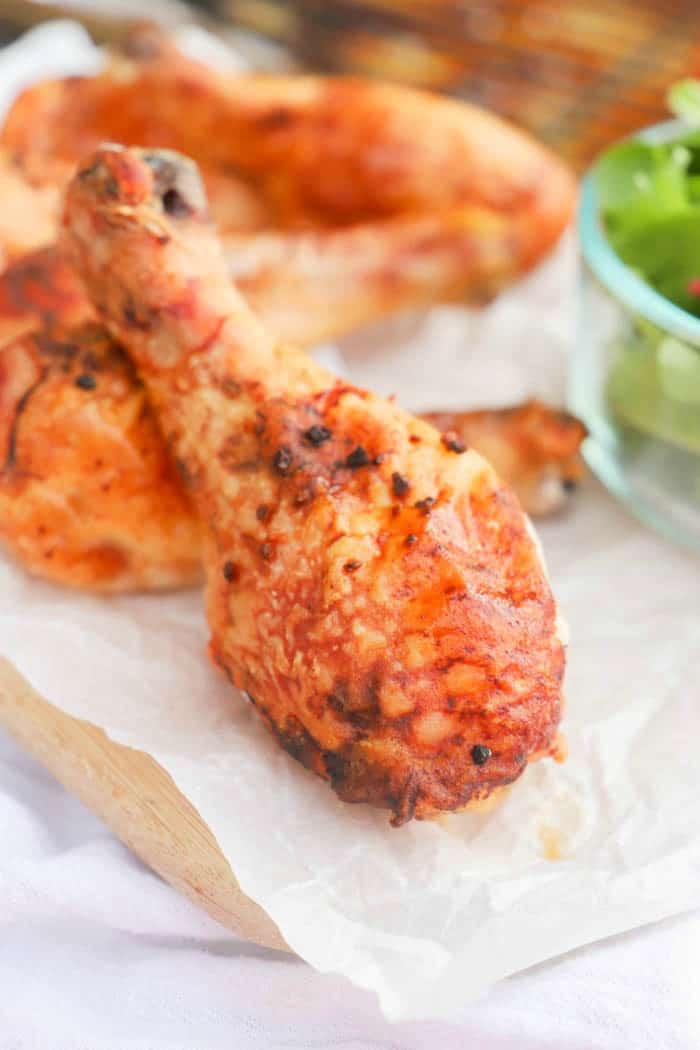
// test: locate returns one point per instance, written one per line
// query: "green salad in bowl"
(649, 203)
(635, 377)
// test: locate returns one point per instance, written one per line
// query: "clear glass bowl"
(635, 381)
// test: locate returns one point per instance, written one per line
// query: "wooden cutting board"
(138, 800)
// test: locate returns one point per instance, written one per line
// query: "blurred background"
(577, 73)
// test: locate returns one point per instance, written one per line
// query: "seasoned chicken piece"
(339, 200)
(44, 317)
(89, 495)
(378, 595)
(534, 449)
(41, 291)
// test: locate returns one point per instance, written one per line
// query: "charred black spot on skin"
(174, 204)
(359, 457)
(176, 183)
(317, 435)
(230, 571)
(425, 505)
(262, 513)
(410, 539)
(480, 754)
(569, 485)
(352, 566)
(399, 484)
(282, 460)
(20, 407)
(85, 381)
(452, 442)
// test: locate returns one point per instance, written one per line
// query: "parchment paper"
(430, 914)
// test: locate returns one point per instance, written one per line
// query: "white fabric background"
(96, 953)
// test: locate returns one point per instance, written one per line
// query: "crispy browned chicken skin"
(78, 440)
(534, 449)
(315, 255)
(338, 200)
(377, 594)
(89, 495)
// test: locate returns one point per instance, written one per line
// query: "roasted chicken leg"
(377, 594)
(338, 200)
(88, 497)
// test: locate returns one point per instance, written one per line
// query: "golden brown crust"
(324, 151)
(334, 209)
(88, 493)
(40, 290)
(402, 646)
(533, 448)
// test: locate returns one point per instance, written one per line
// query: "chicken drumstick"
(376, 593)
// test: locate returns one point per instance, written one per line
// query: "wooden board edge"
(138, 801)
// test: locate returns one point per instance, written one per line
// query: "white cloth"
(96, 953)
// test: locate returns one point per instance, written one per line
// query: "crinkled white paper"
(429, 914)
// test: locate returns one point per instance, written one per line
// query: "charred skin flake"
(359, 457)
(425, 505)
(230, 571)
(452, 442)
(282, 460)
(400, 485)
(317, 435)
(480, 754)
